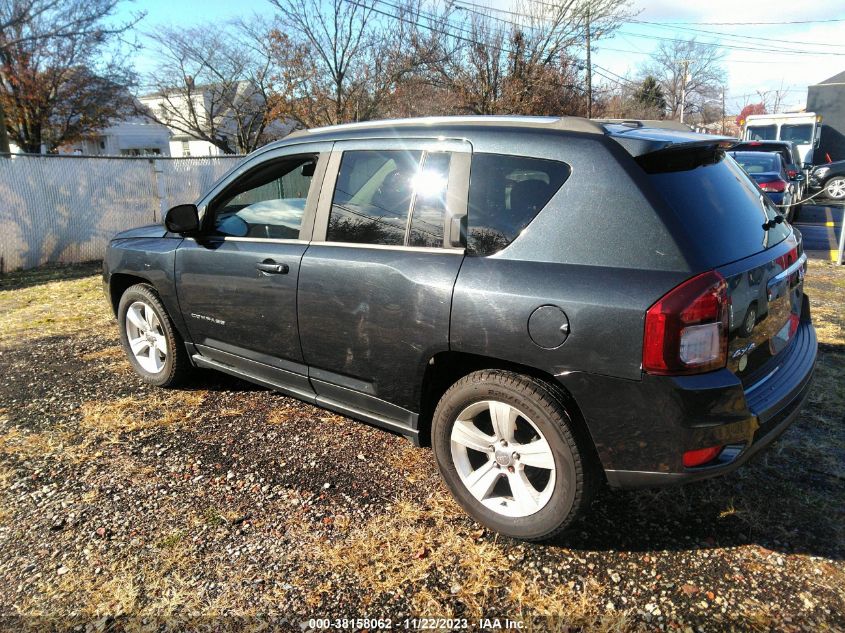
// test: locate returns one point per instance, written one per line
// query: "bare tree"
(213, 83)
(349, 60)
(687, 71)
(58, 80)
(527, 62)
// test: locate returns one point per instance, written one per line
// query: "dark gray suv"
(547, 302)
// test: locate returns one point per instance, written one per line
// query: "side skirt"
(278, 380)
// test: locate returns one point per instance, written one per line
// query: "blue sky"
(775, 68)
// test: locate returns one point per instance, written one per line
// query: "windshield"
(762, 133)
(797, 133)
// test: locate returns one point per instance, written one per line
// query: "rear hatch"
(734, 229)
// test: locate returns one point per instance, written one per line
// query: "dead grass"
(411, 542)
(134, 413)
(53, 308)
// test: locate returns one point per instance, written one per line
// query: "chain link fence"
(66, 208)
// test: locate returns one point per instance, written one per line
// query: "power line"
(775, 23)
(463, 4)
(737, 35)
(728, 46)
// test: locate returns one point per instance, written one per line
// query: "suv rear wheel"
(508, 451)
(151, 343)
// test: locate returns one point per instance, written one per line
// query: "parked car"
(791, 158)
(831, 178)
(769, 172)
(544, 301)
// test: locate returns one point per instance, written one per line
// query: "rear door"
(237, 279)
(375, 286)
(735, 230)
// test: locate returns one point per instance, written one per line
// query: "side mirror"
(183, 218)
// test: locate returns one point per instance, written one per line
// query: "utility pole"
(686, 63)
(589, 70)
(723, 110)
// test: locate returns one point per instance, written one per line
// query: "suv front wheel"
(150, 340)
(507, 448)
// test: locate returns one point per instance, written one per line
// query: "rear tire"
(153, 346)
(508, 450)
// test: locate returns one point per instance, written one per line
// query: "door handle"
(269, 267)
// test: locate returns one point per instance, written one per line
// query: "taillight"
(792, 173)
(777, 186)
(686, 332)
(701, 456)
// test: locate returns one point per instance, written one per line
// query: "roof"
(836, 79)
(565, 123)
(637, 137)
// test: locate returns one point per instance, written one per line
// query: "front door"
(237, 280)
(375, 287)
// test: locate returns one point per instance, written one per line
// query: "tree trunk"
(4, 134)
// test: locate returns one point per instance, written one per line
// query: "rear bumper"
(665, 416)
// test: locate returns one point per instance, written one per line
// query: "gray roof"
(836, 79)
(566, 123)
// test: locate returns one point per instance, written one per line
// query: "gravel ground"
(125, 507)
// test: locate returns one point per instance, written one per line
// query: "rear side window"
(505, 194)
(373, 196)
(718, 203)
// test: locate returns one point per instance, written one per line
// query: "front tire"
(835, 188)
(508, 450)
(151, 343)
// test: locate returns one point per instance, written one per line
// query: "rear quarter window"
(717, 202)
(505, 194)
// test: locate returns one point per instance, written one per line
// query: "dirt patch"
(226, 500)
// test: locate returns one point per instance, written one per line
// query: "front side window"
(267, 202)
(505, 194)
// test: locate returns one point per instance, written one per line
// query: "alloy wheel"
(146, 338)
(503, 459)
(836, 188)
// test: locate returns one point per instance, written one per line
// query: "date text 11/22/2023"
(416, 624)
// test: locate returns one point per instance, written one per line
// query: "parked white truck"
(802, 128)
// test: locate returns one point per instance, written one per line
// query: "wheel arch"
(120, 283)
(445, 368)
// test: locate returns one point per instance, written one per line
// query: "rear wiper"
(778, 219)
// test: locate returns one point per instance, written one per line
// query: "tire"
(834, 188)
(161, 359)
(465, 416)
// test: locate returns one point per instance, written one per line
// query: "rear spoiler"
(640, 141)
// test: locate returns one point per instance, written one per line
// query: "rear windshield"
(719, 204)
(757, 162)
(762, 132)
(765, 147)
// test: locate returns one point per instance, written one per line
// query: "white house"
(177, 109)
(136, 136)
(182, 144)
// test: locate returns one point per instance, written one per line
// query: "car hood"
(150, 230)
(838, 165)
